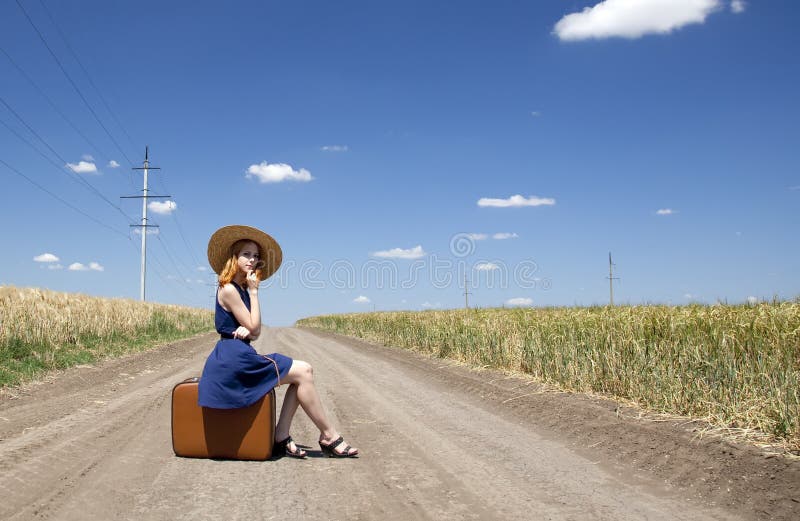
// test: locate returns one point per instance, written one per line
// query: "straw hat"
(219, 248)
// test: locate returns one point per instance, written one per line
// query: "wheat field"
(735, 366)
(42, 330)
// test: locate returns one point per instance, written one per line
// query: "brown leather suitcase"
(201, 432)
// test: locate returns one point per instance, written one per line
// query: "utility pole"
(466, 293)
(144, 226)
(611, 279)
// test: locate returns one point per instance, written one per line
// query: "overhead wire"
(166, 280)
(170, 257)
(113, 115)
(61, 168)
(86, 72)
(63, 201)
(50, 102)
(77, 130)
(177, 280)
(188, 247)
(174, 216)
(72, 82)
(163, 184)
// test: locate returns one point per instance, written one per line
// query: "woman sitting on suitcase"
(235, 375)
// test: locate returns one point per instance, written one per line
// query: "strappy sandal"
(329, 451)
(283, 446)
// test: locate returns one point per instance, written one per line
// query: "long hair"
(232, 264)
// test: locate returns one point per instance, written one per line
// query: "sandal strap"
(335, 443)
(284, 444)
(297, 452)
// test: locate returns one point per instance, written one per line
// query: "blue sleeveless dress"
(235, 375)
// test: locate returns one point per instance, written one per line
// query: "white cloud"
(87, 157)
(202, 268)
(427, 304)
(361, 299)
(737, 6)
(335, 148)
(535, 113)
(93, 266)
(519, 301)
(162, 208)
(46, 257)
(486, 266)
(477, 236)
(399, 253)
(55, 267)
(275, 173)
(113, 164)
(688, 296)
(504, 235)
(516, 200)
(633, 18)
(752, 300)
(665, 211)
(82, 167)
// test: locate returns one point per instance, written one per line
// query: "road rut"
(437, 441)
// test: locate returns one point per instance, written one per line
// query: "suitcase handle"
(276, 369)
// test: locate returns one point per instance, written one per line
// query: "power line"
(53, 105)
(51, 194)
(61, 168)
(74, 86)
(189, 248)
(171, 258)
(180, 228)
(85, 72)
(174, 280)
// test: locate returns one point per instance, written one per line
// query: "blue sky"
(393, 148)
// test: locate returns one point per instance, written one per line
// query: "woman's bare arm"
(231, 301)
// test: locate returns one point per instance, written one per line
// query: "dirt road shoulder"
(712, 471)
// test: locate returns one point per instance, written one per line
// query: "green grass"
(43, 331)
(21, 362)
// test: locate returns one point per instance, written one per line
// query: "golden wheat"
(735, 366)
(42, 329)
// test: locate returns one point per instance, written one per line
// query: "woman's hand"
(241, 333)
(252, 281)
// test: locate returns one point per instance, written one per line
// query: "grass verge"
(734, 366)
(43, 330)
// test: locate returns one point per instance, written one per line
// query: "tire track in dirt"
(498, 469)
(90, 443)
(438, 441)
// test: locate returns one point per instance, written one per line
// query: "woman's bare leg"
(301, 378)
(288, 409)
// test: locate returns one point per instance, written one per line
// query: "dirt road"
(438, 441)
